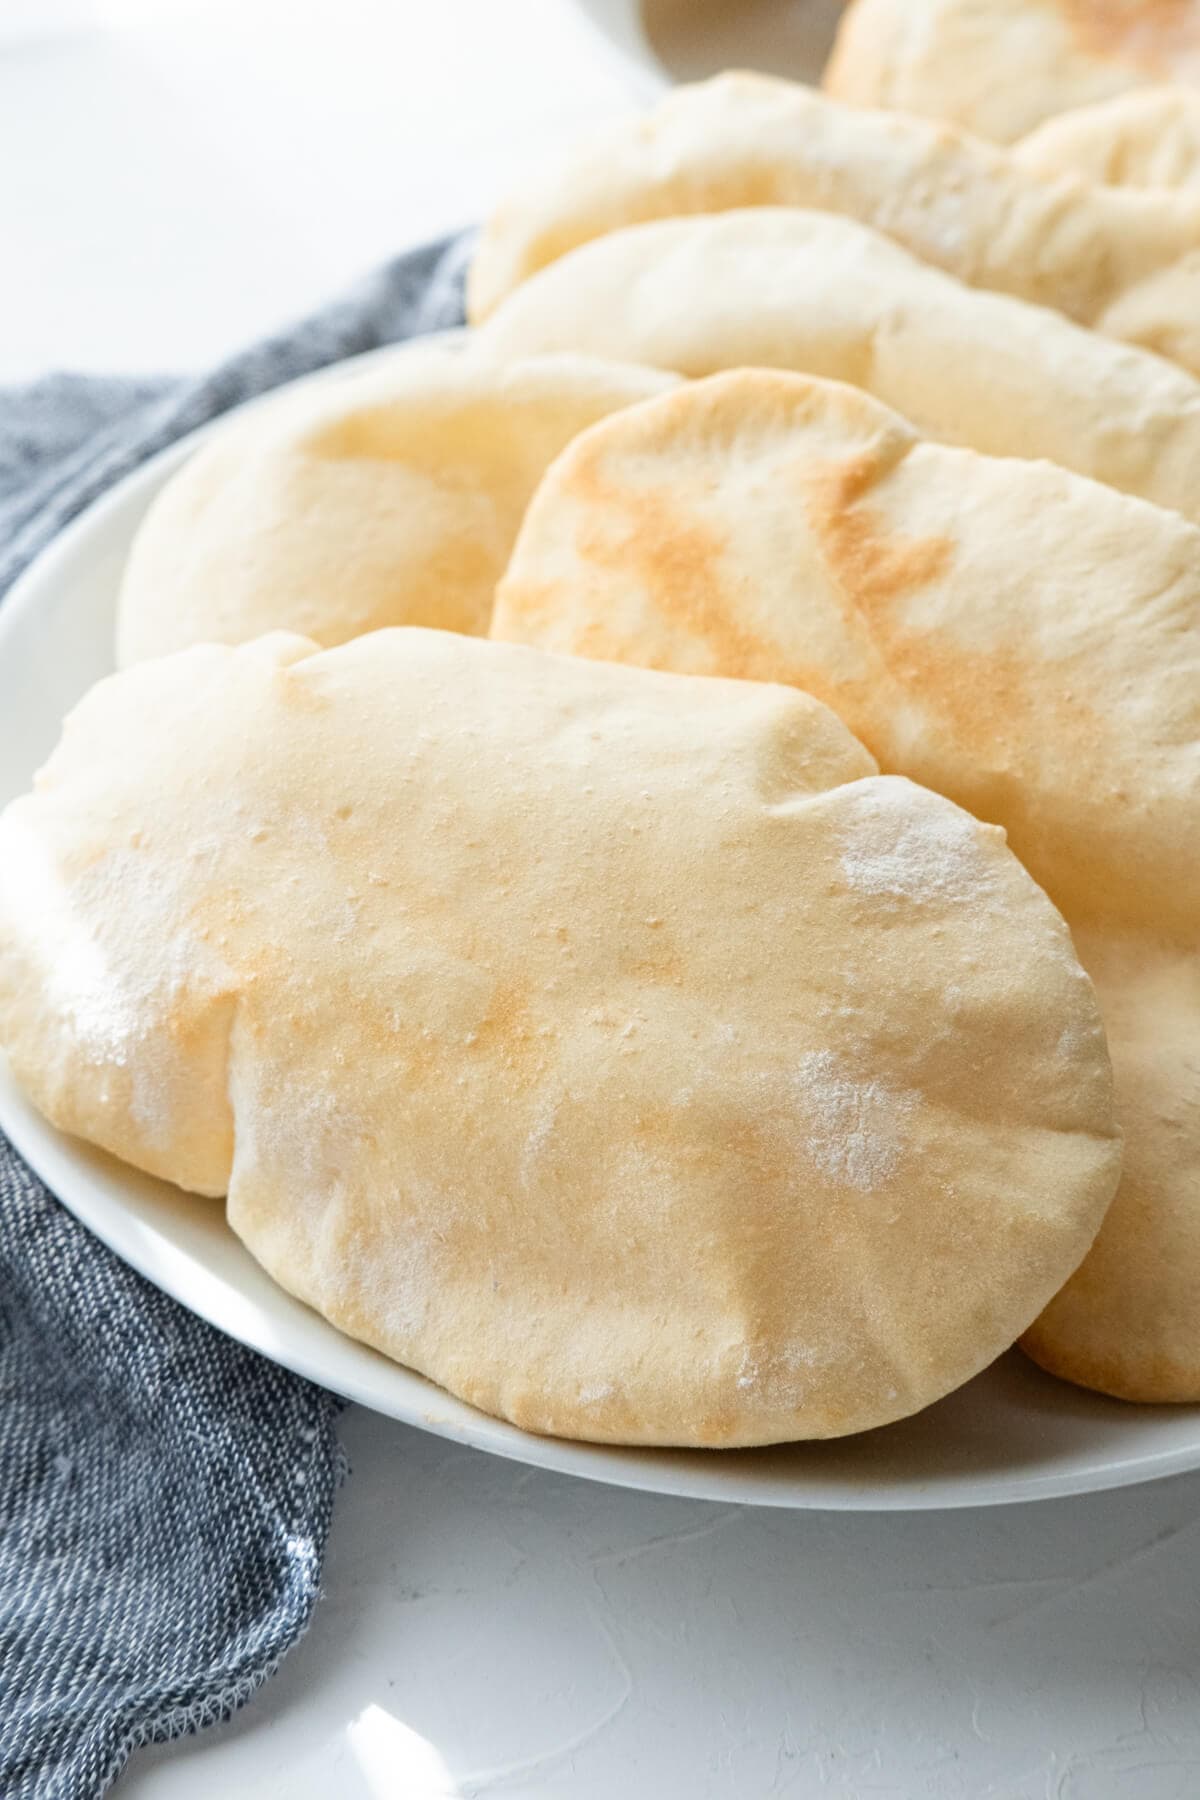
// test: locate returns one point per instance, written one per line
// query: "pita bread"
(1014, 636)
(1127, 1321)
(814, 292)
(1124, 261)
(386, 498)
(1004, 632)
(1147, 138)
(999, 67)
(619, 1050)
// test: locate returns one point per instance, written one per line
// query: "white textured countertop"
(489, 1630)
(178, 178)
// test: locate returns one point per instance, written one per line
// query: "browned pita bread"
(1020, 639)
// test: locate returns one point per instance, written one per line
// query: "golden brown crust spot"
(507, 1028)
(1152, 34)
(979, 696)
(674, 557)
(871, 563)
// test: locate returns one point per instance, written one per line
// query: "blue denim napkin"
(165, 1494)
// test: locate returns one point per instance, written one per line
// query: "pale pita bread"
(1124, 261)
(389, 497)
(1016, 637)
(783, 288)
(617, 1049)
(1127, 1322)
(999, 67)
(1147, 138)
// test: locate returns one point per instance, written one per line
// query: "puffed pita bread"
(784, 288)
(1005, 632)
(1126, 1322)
(999, 67)
(390, 497)
(1147, 138)
(1016, 637)
(617, 1049)
(1124, 261)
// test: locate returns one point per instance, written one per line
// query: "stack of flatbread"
(1002, 67)
(650, 852)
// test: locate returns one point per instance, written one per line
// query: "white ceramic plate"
(1013, 1434)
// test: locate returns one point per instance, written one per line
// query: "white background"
(177, 178)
